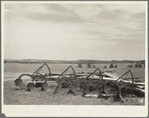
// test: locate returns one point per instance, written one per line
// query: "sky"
(74, 31)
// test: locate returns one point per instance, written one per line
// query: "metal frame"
(66, 71)
(102, 83)
(129, 71)
(41, 68)
(100, 74)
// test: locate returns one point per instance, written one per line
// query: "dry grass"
(15, 96)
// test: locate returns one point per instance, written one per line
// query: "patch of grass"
(14, 96)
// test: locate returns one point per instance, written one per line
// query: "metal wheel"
(126, 94)
(111, 89)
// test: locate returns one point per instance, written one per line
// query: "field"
(15, 96)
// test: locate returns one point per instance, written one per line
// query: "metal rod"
(38, 69)
(132, 76)
(64, 71)
(48, 68)
(122, 76)
(73, 71)
(94, 72)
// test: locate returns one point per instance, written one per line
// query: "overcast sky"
(74, 31)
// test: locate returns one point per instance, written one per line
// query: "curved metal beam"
(67, 70)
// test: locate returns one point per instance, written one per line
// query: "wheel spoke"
(110, 89)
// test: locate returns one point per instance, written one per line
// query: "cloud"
(129, 7)
(117, 25)
(115, 16)
(45, 12)
(138, 15)
(72, 13)
(56, 7)
(70, 18)
(77, 27)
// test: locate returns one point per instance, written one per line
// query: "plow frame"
(90, 85)
(111, 88)
(66, 71)
(36, 76)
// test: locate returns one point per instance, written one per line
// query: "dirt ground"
(14, 96)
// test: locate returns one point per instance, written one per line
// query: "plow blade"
(19, 82)
(30, 86)
(63, 91)
(51, 89)
(50, 86)
(76, 91)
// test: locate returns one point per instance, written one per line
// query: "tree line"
(137, 65)
(88, 66)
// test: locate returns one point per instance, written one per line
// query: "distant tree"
(136, 65)
(115, 66)
(111, 66)
(130, 66)
(140, 66)
(80, 66)
(88, 65)
(105, 66)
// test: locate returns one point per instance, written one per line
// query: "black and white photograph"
(74, 55)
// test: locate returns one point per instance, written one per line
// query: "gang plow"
(97, 83)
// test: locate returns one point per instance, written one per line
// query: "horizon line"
(80, 59)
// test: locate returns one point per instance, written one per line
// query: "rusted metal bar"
(122, 76)
(132, 76)
(66, 71)
(38, 69)
(100, 74)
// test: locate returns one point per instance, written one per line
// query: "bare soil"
(14, 96)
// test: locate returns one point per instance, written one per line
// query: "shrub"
(115, 66)
(130, 66)
(111, 66)
(138, 65)
(80, 66)
(88, 65)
